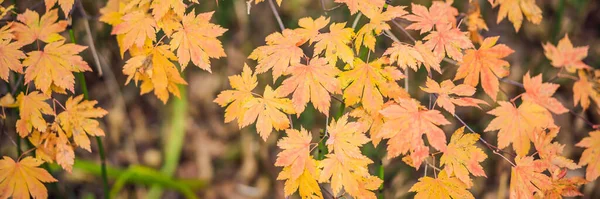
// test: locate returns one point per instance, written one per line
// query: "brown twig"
(277, 17)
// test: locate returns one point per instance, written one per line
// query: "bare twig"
(404, 30)
(90, 38)
(274, 9)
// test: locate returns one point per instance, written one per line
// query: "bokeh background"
(186, 137)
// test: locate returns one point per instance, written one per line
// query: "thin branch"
(404, 30)
(355, 23)
(274, 9)
(342, 101)
(90, 38)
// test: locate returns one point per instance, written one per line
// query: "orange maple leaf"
(584, 90)
(32, 27)
(485, 62)
(517, 125)
(335, 44)
(526, 178)
(345, 138)
(268, 112)
(368, 83)
(475, 22)
(413, 56)
(448, 40)
(515, 9)
(564, 55)
(32, 107)
(52, 69)
(439, 14)
(236, 99)
(405, 124)
(136, 28)
(562, 186)
(541, 93)
(23, 178)
(447, 88)
(79, 119)
(591, 155)
(296, 151)
(10, 55)
(313, 82)
(463, 157)
(372, 122)
(197, 40)
(280, 52)
(444, 186)
(551, 152)
(65, 5)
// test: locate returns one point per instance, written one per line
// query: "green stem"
(84, 90)
(380, 174)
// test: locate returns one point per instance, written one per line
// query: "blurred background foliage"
(183, 149)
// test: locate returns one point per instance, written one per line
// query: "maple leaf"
(31, 110)
(515, 9)
(236, 99)
(32, 27)
(563, 187)
(23, 178)
(79, 119)
(169, 23)
(368, 83)
(413, 56)
(65, 5)
(345, 138)
(306, 183)
(266, 112)
(350, 174)
(361, 5)
(377, 23)
(258, 1)
(296, 149)
(335, 44)
(280, 52)
(526, 178)
(313, 82)
(136, 28)
(10, 55)
(52, 69)
(591, 155)
(447, 88)
(309, 28)
(405, 124)
(485, 62)
(448, 40)
(444, 186)
(564, 55)
(583, 90)
(197, 40)
(8, 101)
(372, 122)
(463, 157)
(475, 22)
(541, 93)
(45, 144)
(160, 8)
(551, 152)
(156, 70)
(516, 125)
(439, 14)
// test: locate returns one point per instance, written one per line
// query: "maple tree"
(159, 39)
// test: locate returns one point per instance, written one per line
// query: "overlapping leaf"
(463, 157)
(32, 27)
(439, 14)
(515, 9)
(447, 88)
(32, 107)
(413, 56)
(526, 178)
(280, 52)
(444, 186)
(136, 28)
(335, 43)
(23, 178)
(448, 40)
(269, 112)
(79, 120)
(377, 23)
(541, 93)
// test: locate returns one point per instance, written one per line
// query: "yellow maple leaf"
(405, 124)
(526, 178)
(10, 58)
(372, 122)
(155, 69)
(32, 107)
(65, 5)
(447, 88)
(306, 183)
(79, 119)
(236, 99)
(517, 125)
(160, 8)
(335, 43)
(361, 5)
(351, 174)
(136, 28)
(515, 9)
(269, 112)
(591, 155)
(485, 62)
(551, 152)
(377, 23)
(444, 186)
(313, 82)
(296, 151)
(345, 139)
(368, 83)
(562, 186)
(463, 157)
(541, 93)
(309, 27)
(52, 69)
(32, 27)
(197, 40)
(413, 56)
(169, 23)
(23, 178)
(584, 90)
(475, 22)
(280, 52)
(565, 55)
